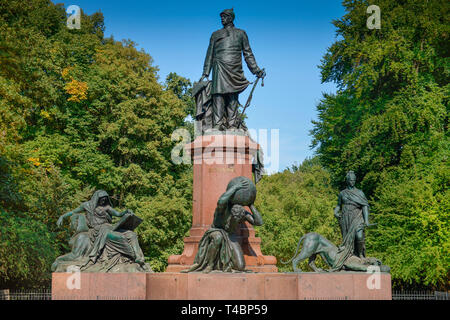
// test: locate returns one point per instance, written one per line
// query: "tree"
(389, 123)
(81, 112)
(26, 249)
(293, 203)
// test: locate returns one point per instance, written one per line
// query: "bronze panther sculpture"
(314, 244)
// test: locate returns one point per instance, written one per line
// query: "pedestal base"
(225, 286)
(99, 286)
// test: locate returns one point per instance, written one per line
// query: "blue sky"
(288, 39)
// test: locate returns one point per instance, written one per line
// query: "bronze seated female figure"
(112, 248)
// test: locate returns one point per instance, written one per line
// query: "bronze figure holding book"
(98, 245)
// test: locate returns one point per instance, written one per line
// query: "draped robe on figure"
(351, 221)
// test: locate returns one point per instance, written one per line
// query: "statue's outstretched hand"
(370, 225)
(60, 221)
(261, 73)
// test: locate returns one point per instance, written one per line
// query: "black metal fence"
(46, 294)
(419, 295)
(34, 294)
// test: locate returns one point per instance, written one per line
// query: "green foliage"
(167, 220)
(413, 236)
(293, 203)
(80, 112)
(389, 123)
(182, 88)
(9, 197)
(47, 196)
(26, 250)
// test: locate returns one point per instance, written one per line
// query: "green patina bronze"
(352, 213)
(97, 244)
(337, 258)
(354, 216)
(217, 100)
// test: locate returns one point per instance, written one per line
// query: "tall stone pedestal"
(217, 159)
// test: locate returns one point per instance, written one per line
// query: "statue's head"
(237, 211)
(103, 201)
(350, 178)
(102, 198)
(376, 262)
(227, 16)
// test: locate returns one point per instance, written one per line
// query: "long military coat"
(224, 57)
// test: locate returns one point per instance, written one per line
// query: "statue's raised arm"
(255, 218)
(68, 214)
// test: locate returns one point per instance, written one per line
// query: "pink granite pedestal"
(99, 286)
(216, 160)
(223, 286)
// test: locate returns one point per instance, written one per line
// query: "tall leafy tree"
(389, 123)
(79, 112)
(295, 202)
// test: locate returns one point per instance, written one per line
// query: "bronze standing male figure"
(224, 57)
(354, 217)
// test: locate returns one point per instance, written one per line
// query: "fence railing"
(34, 294)
(419, 295)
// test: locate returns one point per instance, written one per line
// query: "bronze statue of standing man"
(224, 57)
